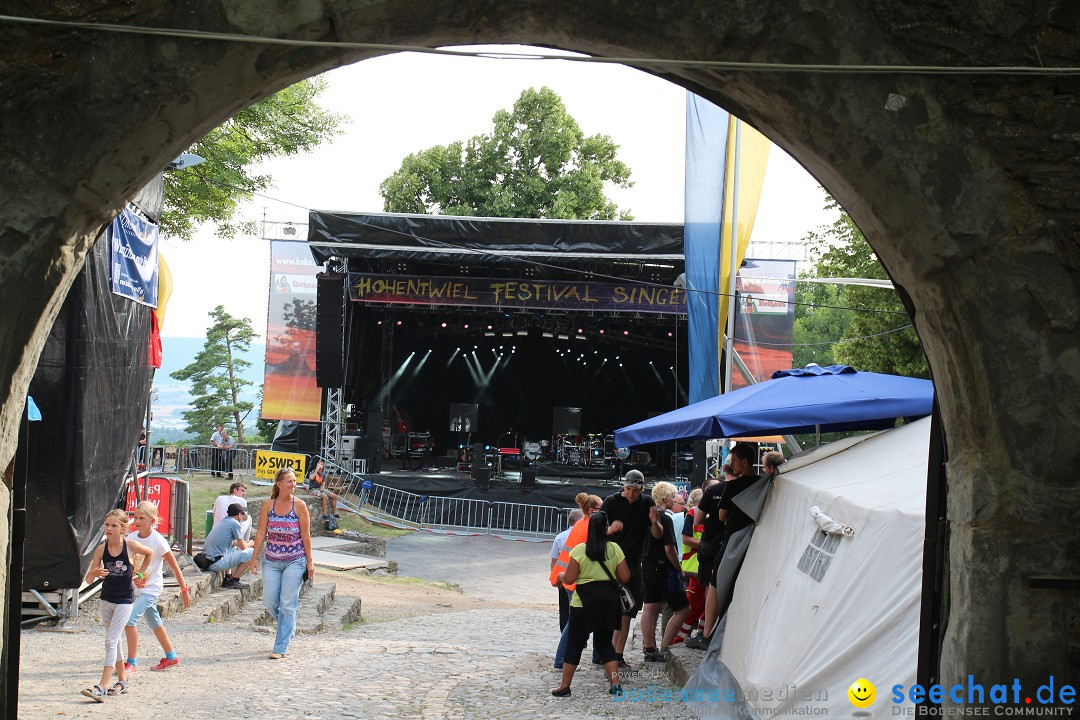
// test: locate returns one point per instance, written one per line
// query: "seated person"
(226, 543)
(317, 485)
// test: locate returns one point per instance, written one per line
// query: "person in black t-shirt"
(628, 518)
(732, 518)
(661, 572)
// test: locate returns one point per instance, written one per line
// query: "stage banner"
(134, 261)
(517, 294)
(764, 318)
(289, 389)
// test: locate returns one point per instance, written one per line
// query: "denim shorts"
(145, 604)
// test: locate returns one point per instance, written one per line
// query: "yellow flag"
(753, 157)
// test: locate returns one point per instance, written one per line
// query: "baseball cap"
(235, 509)
(634, 478)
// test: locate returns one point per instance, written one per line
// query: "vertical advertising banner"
(764, 318)
(134, 261)
(289, 389)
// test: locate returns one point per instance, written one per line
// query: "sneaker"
(650, 654)
(130, 669)
(623, 665)
(166, 663)
(656, 656)
(698, 642)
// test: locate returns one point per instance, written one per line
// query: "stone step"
(225, 603)
(344, 611)
(311, 611)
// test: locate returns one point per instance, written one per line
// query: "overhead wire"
(639, 62)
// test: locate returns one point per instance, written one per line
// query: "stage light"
(489, 334)
(669, 335)
(489, 327)
(508, 334)
(475, 347)
(466, 326)
(523, 332)
(580, 337)
(620, 364)
(601, 332)
(442, 325)
(398, 322)
(564, 337)
(650, 362)
(549, 335)
(379, 323)
(580, 331)
(625, 332)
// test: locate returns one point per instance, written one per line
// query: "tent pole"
(817, 436)
(733, 264)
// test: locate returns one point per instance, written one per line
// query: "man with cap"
(628, 523)
(225, 544)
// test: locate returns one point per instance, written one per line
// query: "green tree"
(265, 429)
(865, 338)
(286, 123)
(215, 376)
(536, 162)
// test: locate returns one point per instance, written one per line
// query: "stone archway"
(966, 187)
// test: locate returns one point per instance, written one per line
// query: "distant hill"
(173, 396)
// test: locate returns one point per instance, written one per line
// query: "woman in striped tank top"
(285, 527)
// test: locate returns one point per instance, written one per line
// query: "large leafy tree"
(536, 162)
(867, 337)
(215, 376)
(286, 123)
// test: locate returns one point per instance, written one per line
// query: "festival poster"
(764, 318)
(134, 262)
(289, 389)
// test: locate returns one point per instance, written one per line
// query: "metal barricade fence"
(518, 520)
(207, 458)
(403, 509)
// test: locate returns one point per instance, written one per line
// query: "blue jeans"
(281, 594)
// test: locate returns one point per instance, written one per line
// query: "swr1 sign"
(268, 462)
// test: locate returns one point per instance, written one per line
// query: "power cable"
(640, 62)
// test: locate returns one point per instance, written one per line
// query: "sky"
(403, 103)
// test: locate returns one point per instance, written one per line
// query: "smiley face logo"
(862, 693)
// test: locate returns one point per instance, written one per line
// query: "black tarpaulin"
(91, 384)
(392, 235)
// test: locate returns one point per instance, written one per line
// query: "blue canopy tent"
(826, 399)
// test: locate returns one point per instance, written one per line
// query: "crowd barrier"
(198, 458)
(407, 510)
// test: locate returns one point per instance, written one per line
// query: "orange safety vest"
(578, 534)
(689, 556)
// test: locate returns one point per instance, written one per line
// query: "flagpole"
(729, 338)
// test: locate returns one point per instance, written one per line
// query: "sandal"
(120, 686)
(96, 693)
(561, 692)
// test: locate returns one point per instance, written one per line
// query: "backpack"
(330, 522)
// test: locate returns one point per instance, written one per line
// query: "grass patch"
(404, 580)
(352, 521)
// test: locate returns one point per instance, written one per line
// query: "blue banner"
(706, 158)
(134, 262)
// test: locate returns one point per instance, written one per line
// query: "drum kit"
(584, 450)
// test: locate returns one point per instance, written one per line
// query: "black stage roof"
(394, 236)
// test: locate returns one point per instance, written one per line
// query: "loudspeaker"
(478, 459)
(329, 330)
(528, 479)
(308, 440)
(482, 477)
(374, 442)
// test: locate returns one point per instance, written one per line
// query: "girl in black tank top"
(113, 564)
